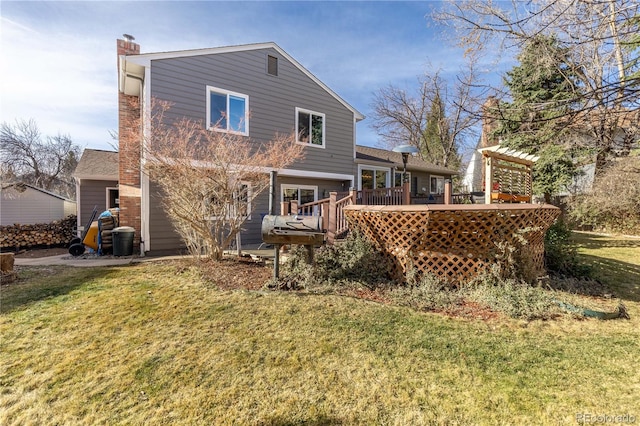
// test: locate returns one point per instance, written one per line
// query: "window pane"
(290, 194)
(303, 126)
(381, 179)
(316, 125)
(218, 104)
(307, 196)
(437, 185)
(237, 119)
(397, 181)
(242, 199)
(367, 179)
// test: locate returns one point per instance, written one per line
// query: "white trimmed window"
(397, 178)
(437, 185)
(113, 198)
(240, 205)
(372, 177)
(227, 111)
(310, 127)
(301, 193)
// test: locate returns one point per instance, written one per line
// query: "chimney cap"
(128, 37)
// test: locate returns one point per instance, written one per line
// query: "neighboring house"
(96, 177)
(381, 168)
(626, 138)
(26, 204)
(269, 92)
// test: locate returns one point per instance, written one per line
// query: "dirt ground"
(237, 274)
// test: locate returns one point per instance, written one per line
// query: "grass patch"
(159, 344)
(615, 260)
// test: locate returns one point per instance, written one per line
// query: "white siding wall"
(32, 206)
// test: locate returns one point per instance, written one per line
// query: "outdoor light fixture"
(405, 150)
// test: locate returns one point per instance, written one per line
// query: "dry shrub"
(210, 178)
(614, 202)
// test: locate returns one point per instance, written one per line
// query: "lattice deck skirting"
(454, 242)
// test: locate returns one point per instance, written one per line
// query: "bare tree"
(437, 120)
(209, 178)
(47, 164)
(594, 33)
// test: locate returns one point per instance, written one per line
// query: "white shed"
(26, 204)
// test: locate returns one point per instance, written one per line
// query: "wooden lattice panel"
(454, 242)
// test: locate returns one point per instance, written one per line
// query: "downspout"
(143, 111)
(78, 207)
(142, 133)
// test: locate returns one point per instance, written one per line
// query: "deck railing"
(395, 196)
(331, 209)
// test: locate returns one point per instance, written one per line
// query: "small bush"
(428, 294)
(354, 259)
(513, 297)
(560, 254)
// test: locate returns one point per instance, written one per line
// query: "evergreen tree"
(438, 146)
(535, 121)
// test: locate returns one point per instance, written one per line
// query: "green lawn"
(616, 261)
(155, 344)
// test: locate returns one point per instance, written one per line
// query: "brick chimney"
(489, 113)
(129, 150)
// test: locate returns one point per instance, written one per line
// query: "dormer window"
(227, 111)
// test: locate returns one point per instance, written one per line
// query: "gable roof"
(367, 154)
(133, 66)
(21, 186)
(96, 164)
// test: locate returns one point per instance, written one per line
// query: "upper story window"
(272, 65)
(227, 111)
(310, 127)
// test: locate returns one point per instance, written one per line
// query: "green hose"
(621, 311)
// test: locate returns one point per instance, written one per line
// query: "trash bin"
(123, 240)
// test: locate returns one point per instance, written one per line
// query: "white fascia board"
(313, 174)
(144, 60)
(96, 177)
(281, 172)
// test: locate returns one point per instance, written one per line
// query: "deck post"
(354, 196)
(488, 180)
(285, 208)
(333, 219)
(294, 207)
(406, 193)
(447, 191)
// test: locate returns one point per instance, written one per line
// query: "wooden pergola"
(507, 175)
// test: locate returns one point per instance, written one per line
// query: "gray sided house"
(256, 90)
(381, 168)
(96, 178)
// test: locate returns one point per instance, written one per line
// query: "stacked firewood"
(106, 226)
(56, 233)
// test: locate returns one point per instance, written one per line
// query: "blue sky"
(58, 59)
